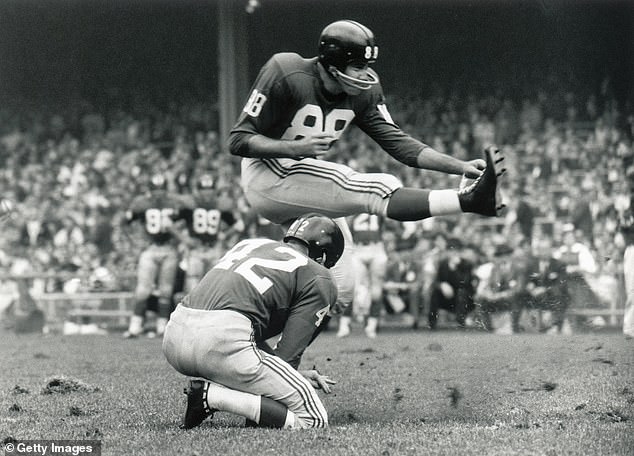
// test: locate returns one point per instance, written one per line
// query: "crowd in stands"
(73, 171)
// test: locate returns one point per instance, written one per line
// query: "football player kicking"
(258, 290)
(299, 107)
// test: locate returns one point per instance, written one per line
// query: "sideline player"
(299, 107)
(158, 263)
(260, 289)
(206, 224)
(371, 267)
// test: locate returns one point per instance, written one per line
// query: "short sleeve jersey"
(278, 288)
(288, 101)
(366, 228)
(204, 220)
(626, 225)
(156, 212)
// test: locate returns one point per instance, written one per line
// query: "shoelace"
(472, 185)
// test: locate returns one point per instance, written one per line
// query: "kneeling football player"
(258, 290)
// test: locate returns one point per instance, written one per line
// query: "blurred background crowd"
(73, 163)
(74, 172)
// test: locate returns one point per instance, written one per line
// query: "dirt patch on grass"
(17, 389)
(15, 408)
(66, 385)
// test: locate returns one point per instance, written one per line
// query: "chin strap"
(361, 84)
(321, 260)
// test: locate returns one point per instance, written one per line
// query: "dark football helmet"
(322, 236)
(347, 42)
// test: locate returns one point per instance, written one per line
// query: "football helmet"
(158, 182)
(322, 236)
(205, 182)
(346, 42)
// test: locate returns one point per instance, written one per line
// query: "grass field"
(414, 393)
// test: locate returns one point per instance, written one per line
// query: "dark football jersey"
(626, 224)
(288, 101)
(157, 212)
(204, 220)
(366, 228)
(278, 288)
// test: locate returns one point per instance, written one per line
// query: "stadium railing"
(75, 306)
(113, 305)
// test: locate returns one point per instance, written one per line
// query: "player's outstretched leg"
(482, 197)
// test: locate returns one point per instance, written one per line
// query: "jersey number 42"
(238, 260)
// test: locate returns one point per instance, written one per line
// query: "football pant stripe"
(290, 378)
(306, 392)
(255, 347)
(298, 384)
(334, 175)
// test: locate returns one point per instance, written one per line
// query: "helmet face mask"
(321, 235)
(345, 43)
(205, 184)
(351, 82)
(158, 183)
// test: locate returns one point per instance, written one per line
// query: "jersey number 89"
(205, 221)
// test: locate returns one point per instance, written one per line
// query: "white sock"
(291, 422)
(136, 324)
(244, 404)
(372, 323)
(161, 322)
(344, 321)
(444, 202)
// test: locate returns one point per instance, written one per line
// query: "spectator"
(548, 286)
(581, 267)
(454, 285)
(501, 288)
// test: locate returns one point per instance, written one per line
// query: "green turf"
(413, 393)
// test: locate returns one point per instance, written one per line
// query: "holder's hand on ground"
(318, 381)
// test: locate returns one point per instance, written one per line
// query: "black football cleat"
(197, 409)
(481, 196)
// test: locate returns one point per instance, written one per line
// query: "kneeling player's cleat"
(197, 408)
(481, 196)
(130, 335)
